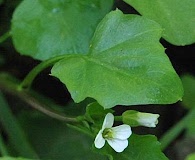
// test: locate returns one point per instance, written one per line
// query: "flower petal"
(122, 132)
(148, 119)
(117, 144)
(99, 140)
(108, 121)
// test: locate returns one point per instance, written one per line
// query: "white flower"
(115, 136)
(147, 119)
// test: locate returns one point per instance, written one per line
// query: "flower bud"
(135, 118)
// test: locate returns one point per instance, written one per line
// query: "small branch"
(174, 132)
(4, 37)
(42, 108)
(118, 118)
(8, 85)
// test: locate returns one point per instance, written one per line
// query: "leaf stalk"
(27, 82)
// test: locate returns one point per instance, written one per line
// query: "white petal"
(108, 121)
(148, 119)
(99, 140)
(122, 132)
(118, 145)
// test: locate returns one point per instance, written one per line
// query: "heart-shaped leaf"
(176, 17)
(45, 28)
(126, 65)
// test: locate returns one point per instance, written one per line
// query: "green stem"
(118, 118)
(14, 131)
(9, 85)
(174, 132)
(3, 149)
(4, 37)
(27, 82)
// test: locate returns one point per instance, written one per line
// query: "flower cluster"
(117, 137)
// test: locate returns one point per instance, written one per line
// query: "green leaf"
(189, 91)
(13, 158)
(191, 157)
(176, 17)
(139, 148)
(45, 28)
(126, 65)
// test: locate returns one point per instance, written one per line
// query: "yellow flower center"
(107, 133)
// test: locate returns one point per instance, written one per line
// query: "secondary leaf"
(139, 148)
(45, 28)
(126, 65)
(176, 17)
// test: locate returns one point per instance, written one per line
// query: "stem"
(118, 118)
(14, 131)
(7, 84)
(27, 82)
(171, 134)
(3, 149)
(5, 36)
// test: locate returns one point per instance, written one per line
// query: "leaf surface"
(126, 65)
